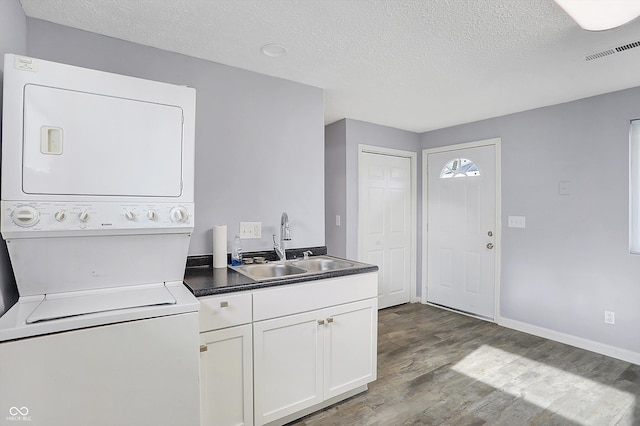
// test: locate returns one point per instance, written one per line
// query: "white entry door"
(461, 229)
(385, 216)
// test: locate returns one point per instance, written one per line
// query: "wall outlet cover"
(609, 317)
(250, 230)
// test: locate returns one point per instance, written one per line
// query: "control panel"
(31, 217)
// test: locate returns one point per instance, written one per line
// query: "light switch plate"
(250, 230)
(516, 222)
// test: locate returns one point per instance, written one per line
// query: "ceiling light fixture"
(598, 15)
(274, 50)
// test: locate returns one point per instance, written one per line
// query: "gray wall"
(572, 261)
(335, 185)
(13, 39)
(341, 147)
(259, 139)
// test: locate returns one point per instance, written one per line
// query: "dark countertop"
(204, 280)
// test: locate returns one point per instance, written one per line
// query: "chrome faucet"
(285, 235)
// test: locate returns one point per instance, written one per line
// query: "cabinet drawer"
(224, 311)
(292, 299)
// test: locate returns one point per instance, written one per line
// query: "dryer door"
(78, 143)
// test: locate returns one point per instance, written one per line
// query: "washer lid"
(63, 305)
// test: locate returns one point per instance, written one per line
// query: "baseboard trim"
(578, 342)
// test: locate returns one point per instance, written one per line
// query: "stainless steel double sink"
(281, 269)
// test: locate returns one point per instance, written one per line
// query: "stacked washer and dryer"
(97, 212)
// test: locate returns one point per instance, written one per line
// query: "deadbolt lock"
(490, 234)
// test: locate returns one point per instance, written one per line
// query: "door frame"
(496, 142)
(413, 157)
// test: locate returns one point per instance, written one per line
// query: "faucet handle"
(307, 253)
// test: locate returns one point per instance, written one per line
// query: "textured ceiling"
(414, 65)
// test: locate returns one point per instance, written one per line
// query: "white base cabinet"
(288, 366)
(226, 361)
(302, 360)
(272, 355)
(226, 389)
(350, 346)
(312, 343)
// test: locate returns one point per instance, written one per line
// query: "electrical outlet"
(609, 317)
(250, 230)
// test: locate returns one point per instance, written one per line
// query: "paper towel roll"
(220, 246)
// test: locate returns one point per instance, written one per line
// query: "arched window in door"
(459, 167)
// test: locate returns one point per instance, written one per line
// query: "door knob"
(490, 246)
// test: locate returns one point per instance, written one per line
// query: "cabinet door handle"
(329, 320)
(203, 348)
(224, 304)
(320, 322)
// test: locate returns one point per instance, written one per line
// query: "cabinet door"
(226, 377)
(287, 365)
(350, 346)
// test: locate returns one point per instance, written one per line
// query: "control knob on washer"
(60, 215)
(179, 215)
(152, 215)
(129, 214)
(83, 216)
(25, 216)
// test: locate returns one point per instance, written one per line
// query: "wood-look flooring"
(436, 367)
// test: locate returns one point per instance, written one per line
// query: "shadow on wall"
(8, 288)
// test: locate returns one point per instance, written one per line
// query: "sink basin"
(322, 264)
(269, 270)
(281, 269)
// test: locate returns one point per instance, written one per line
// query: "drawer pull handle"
(320, 322)
(203, 348)
(224, 304)
(329, 320)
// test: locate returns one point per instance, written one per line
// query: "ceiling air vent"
(611, 51)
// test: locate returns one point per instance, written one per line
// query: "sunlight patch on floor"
(568, 394)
